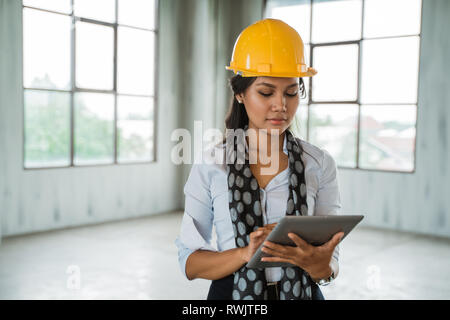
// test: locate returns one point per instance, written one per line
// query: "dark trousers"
(222, 290)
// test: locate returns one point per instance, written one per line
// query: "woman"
(244, 199)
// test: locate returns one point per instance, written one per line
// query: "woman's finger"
(331, 244)
(275, 253)
(275, 246)
(277, 259)
(259, 236)
(299, 242)
(256, 234)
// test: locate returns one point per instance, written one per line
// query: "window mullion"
(93, 21)
(311, 65)
(46, 10)
(358, 94)
(115, 80)
(72, 90)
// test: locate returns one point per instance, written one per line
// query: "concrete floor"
(137, 259)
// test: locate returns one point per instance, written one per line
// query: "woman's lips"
(276, 121)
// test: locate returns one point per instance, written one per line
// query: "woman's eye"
(288, 94)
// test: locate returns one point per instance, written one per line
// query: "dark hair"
(236, 116)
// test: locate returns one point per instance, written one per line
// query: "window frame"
(309, 101)
(74, 89)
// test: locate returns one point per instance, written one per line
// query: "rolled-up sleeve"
(197, 223)
(328, 200)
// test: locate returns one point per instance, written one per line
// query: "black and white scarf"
(246, 215)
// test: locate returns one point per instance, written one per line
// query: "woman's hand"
(256, 238)
(314, 260)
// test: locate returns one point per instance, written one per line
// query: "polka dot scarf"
(246, 215)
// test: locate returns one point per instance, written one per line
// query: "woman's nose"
(279, 103)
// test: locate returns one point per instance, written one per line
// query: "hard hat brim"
(248, 73)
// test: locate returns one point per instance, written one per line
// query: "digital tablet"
(316, 230)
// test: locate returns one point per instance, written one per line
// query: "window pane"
(333, 127)
(337, 75)
(388, 136)
(54, 5)
(47, 129)
(137, 13)
(46, 52)
(336, 20)
(306, 80)
(391, 17)
(135, 73)
(298, 17)
(103, 10)
(300, 123)
(94, 56)
(135, 128)
(307, 54)
(390, 70)
(94, 128)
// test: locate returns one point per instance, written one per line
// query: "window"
(362, 104)
(89, 82)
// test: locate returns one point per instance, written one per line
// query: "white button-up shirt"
(206, 203)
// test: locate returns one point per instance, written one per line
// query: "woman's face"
(271, 103)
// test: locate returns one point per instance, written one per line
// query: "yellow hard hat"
(271, 48)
